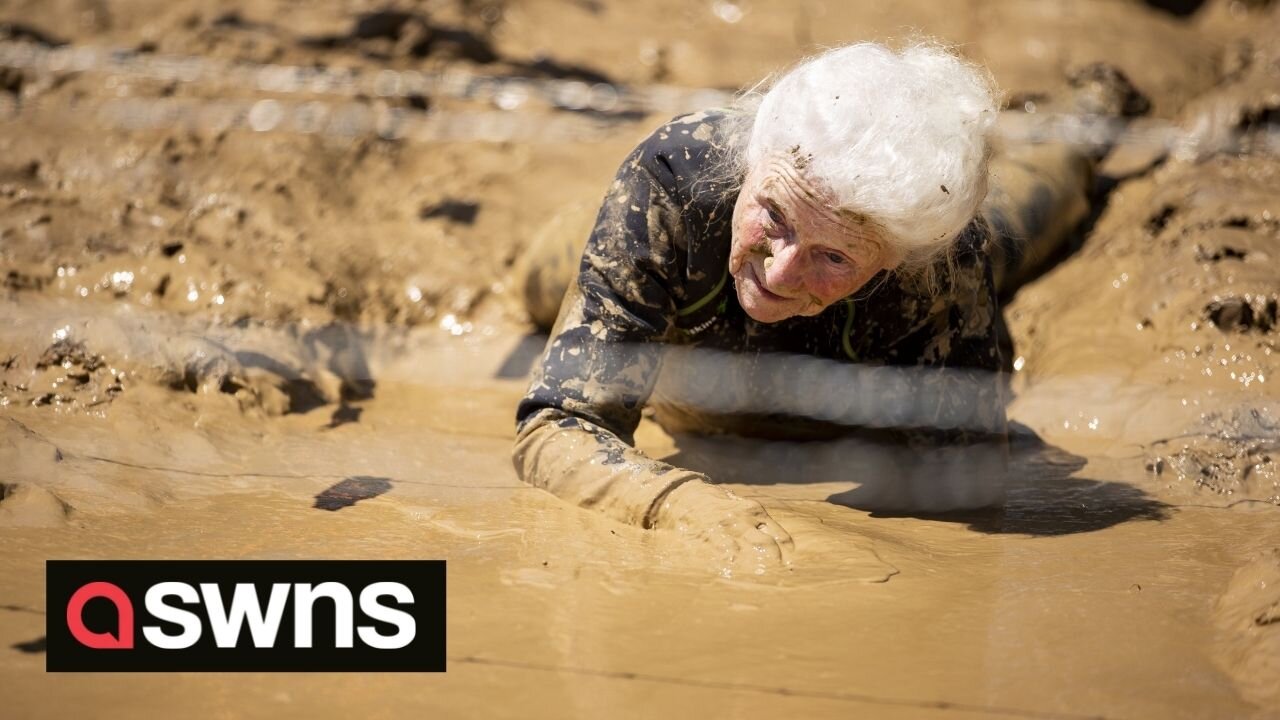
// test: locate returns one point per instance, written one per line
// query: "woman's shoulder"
(688, 154)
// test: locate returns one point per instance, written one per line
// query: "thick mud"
(222, 343)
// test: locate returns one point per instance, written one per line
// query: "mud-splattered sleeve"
(575, 425)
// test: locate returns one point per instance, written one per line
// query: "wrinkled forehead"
(813, 210)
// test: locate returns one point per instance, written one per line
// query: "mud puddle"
(1093, 594)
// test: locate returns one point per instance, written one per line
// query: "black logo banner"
(245, 615)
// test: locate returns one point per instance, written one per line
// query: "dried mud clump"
(30, 505)
(1243, 314)
(1225, 467)
(267, 373)
(66, 376)
(1235, 457)
(390, 33)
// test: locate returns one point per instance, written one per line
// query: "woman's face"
(793, 254)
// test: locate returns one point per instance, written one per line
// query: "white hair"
(900, 137)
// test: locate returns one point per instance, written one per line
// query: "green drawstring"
(848, 327)
(710, 296)
(844, 336)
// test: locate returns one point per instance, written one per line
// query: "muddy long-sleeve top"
(654, 283)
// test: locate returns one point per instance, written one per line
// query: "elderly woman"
(835, 216)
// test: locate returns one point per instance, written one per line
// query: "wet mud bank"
(1167, 348)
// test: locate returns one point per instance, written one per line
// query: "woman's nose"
(784, 270)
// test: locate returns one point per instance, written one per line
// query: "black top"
(655, 275)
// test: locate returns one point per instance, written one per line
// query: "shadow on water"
(1066, 506)
(32, 647)
(1044, 497)
(350, 491)
(1048, 507)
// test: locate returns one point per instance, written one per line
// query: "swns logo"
(229, 615)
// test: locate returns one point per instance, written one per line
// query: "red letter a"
(123, 639)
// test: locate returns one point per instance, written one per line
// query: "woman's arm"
(575, 424)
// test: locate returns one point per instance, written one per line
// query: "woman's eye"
(774, 215)
(775, 229)
(836, 258)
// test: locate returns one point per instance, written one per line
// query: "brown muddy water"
(240, 345)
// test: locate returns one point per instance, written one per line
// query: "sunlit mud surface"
(1094, 593)
(265, 346)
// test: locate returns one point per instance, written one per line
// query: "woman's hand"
(737, 531)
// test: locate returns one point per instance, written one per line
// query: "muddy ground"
(304, 342)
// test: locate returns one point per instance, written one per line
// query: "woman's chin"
(763, 310)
